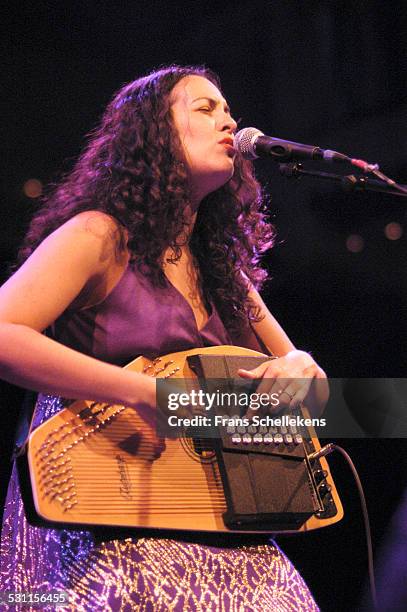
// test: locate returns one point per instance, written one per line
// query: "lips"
(227, 141)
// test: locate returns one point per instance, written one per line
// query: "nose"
(228, 123)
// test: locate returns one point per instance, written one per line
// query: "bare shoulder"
(98, 227)
(74, 259)
(95, 222)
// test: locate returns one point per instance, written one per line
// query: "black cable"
(326, 450)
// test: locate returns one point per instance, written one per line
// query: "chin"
(227, 171)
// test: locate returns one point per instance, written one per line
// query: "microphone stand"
(349, 182)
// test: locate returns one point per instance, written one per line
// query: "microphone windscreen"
(245, 140)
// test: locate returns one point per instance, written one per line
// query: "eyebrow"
(213, 101)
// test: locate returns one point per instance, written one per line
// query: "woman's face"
(206, 129)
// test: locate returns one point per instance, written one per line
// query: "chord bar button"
(278, 439)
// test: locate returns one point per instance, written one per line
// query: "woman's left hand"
(291, 379)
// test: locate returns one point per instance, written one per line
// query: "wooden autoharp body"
(97, 464)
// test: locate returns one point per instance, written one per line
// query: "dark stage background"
(326, 73)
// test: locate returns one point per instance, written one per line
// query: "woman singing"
(149, 246)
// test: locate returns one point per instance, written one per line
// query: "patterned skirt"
(144, 574)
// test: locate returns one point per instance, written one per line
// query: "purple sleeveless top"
(137, 318)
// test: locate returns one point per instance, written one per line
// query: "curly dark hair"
(132, 170)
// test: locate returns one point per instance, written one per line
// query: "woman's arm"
(294, 370)
(79, 254)
(269, 330)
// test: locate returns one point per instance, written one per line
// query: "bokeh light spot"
(393, 231)
(355, 243)
(32, 188)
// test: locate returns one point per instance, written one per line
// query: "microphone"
(252, 143)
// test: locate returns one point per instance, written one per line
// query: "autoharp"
(96, 464)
